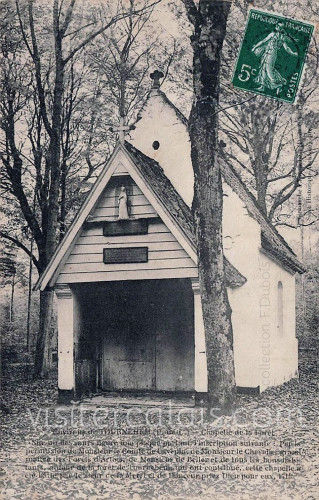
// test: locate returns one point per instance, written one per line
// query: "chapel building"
(126, 279)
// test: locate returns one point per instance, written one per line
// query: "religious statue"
(267, 49)
(122, 201)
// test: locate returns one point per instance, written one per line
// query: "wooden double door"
(147, 336)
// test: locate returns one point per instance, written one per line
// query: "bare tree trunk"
(210, 27)
(63, 199)
(261, 176)
(12, 298)
(42, 361)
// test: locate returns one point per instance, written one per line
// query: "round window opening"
(156, 145)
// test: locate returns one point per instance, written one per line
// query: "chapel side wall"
(241, 242)
(279, 346)
(264, 356)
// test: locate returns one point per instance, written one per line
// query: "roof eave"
(234, 279)
(290, 266)
(282, 255)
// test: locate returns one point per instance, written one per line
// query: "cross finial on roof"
(156, 76)
(121, 129)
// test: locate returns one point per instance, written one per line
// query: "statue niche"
(123, 204)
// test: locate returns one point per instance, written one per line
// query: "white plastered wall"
(241, 243)
(159, 122)
(278, 347)
(264, 355)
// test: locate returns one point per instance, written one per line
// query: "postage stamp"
(272, 55)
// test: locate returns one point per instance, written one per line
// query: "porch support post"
(65, 343)
(201, 381)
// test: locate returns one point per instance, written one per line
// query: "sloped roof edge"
(271, 241)
(154, 175)
(177, 111)
(55, 260)
(152, 92)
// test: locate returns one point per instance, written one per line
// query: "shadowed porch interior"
(134, 336)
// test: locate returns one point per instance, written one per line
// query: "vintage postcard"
(159, 250)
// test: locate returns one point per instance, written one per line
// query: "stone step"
(164, 401)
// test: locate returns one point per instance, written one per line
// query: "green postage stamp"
(272, 55)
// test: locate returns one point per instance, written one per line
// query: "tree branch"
(281, 198)
(235, 105)
(67, 18)
(114, 20)
(295, 226)
(191, 11)
(227, 155)
(37, 64)
(22, 246)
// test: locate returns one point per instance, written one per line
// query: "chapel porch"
(131, 336)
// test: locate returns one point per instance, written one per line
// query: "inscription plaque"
(125, 255)
(125, 227)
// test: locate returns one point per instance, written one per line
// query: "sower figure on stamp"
(268, 76)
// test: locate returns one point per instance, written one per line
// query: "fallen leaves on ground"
(133, 450)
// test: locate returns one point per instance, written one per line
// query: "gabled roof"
(154, 175)
(179, 211)
(271, 241)
(157, 92)
(156, 186)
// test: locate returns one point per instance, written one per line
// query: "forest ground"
(266, 450)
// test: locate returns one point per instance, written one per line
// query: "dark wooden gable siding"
(107, 206)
